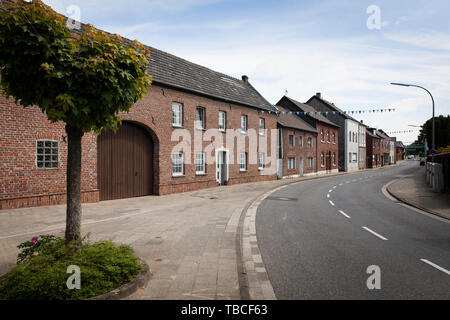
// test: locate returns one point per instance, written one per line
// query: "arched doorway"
(125, 162)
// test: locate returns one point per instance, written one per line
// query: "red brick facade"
(22, 184)
(300, 150)
(327, 147)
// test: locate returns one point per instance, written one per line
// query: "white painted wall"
(351, 145)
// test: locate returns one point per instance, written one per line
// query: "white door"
(301, 167)
(221, 167)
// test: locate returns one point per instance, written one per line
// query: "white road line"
(331, 190)
(374, 233)
(328, 195)
(340, 184)
(334, 187)
(344, 214)
(436, 266)
(331, 202)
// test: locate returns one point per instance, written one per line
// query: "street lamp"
(432, 99)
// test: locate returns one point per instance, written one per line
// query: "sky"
(340, 48)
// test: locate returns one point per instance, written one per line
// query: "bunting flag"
(404, 131)
(300, 113)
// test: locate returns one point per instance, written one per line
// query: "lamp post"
(433, 146)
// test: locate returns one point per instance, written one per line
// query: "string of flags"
(300, 113)
(404, 131)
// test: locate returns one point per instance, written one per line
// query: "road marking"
(331, 202)
(331, 190)
(374, 233)
(436, 266)
(344, 214)
(340, 184)
(328, 195)
(334, 187)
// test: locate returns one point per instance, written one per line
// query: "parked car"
(422, 161)
(411, 156)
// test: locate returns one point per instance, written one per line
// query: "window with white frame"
(310, 163)
(349, 157)
(328, 136)
(177, 163)
(310, 142)
(200, 122)
(291, 140)
(355, 157)
(243, 161)
(321, 136)
(350, 136)
(177, 114)
(261, 159)
(262, 126)
(244, 122)
(322, 159)
(47, 154)
(222, 120)
(291, 163)
(300, 141)
(334, 158)
(200, 163)
(334, 138)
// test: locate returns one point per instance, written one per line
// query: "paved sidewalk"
(414, 190)
(189, 240)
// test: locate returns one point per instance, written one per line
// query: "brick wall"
(326, 147)
(22, 184)
(298, 152)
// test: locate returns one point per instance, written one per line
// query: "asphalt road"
(318, 238)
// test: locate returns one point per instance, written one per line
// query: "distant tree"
(83, 80)
(442, 134)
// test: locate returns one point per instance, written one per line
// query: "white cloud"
(424, 39)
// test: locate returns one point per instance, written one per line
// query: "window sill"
(178, 176)
(200, 174)
(244, 132)
(243, 171)
(177, 126)
(222, 130)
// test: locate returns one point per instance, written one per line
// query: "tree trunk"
(73, 210)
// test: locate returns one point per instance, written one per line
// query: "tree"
(442, 134)
(83, 80)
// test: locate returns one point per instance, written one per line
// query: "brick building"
(348, 131)
(297, 145)
(185, 101)
(399, 151)
(384, 147)
(327, 151)
(373, 148)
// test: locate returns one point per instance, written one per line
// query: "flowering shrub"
(34, 247)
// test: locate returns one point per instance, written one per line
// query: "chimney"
(319, 95)
(362, 122)
(245, 78)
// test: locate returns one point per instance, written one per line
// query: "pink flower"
(34, 240)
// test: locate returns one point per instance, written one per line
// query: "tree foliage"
(442, 134)
(82, 79)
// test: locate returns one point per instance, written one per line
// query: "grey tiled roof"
(312, 112)
(169, 70)
(173, 71)
(333, 106)
(292, 121)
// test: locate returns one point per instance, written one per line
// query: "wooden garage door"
(125, 163)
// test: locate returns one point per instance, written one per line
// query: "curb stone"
(140, 281)
(399, 199)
